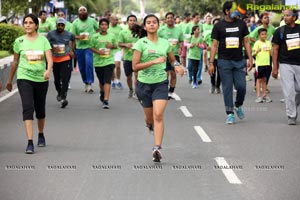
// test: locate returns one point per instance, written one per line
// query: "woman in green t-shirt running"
(149, 60)
(30, 54)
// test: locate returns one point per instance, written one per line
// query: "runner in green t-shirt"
(102, 45)
(126, 41)
(206, 27)
(149, 60)
(183, 25)
(68, 25)
(115, 29)
(30, 54)
(175, 37)
(44, 26)
(83, 28)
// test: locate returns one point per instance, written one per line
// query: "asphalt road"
(93, 153)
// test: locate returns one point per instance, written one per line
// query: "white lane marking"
(229, 173)
(185, 111)
(9, 95)
(202, 134)
(176, 97)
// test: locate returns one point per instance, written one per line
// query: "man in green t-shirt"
(115, 29)
(206, 28)
(44, 25)
(126, 41)
(68, 25)
(83, 28)
(175, 37)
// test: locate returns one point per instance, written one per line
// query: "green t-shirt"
(150, 51)
(115, 30)
(52, 20)
(189, 27)
(207, 28)
(173, 35)
(99, 41)
(208, 40)
(194, 52)
(125, 36)
(87, 28)
(43, 28)
(32, 63)
(68, 26)
(263, 57)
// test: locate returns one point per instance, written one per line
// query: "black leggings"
(195, 65)
(33, 97)
(215, 79)
(62, 74)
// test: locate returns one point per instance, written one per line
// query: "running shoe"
(58, 98)
(199, 82)
(194, 85)
(120, 86)
(239, 112)
(64, 103)
(134, 96)
(101, 97)
(41, 141)
(230, 119)
(156, 154)
(258, 100)
(170, 96)
(151, 128)
(212, 90)
(218, 90)
(130, 93)
(291, 120)
(113, 85)
(267, 99)
(29, 149)
(105, 105)
(89, 88)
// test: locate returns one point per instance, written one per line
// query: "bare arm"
(49, 59)
(12, 71)
(275, 60)
(213, 51)
(177, 66)
(248, 51)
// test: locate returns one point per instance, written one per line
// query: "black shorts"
(127, 67)
(262, 71)
(104, 73)
(169, 66)
(147, 93)
(33, 97)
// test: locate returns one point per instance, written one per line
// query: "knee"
(158, 116)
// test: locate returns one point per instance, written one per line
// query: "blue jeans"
(233, 73)
(190, 68)
(85, 62)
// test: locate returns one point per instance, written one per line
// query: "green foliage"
(8, 34)
(4, 54)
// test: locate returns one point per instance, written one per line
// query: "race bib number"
(34, 57)
(173, 42)
(266, 48)
(293, 44)
(86, 35)
(106, 53)
(59, 48)
(232, 42)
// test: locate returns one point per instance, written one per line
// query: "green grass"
(4, 54)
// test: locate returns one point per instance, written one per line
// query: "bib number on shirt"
(232, 42)
(293, 44)
(34, 57)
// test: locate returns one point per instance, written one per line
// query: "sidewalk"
(5, 64)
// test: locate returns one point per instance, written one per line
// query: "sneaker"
(267, 99)
(291, 120)
(101, 97)
(194, 85)
(239, 112)
(230, 119)
(134, 96)
(282, 100)
(41, 141)
(212, 89)
(218, 90)
(120, 86)
(199, 82)
(170, 96)
(113, 85)
(156, 154)
(151, 128)
(258, 100)
(130, 93)
(86, 88)
(89, 89)
(29, 149)
(58, 98)
(69, 87)
(105, 105)
(64, 103)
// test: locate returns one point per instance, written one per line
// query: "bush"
(8, 34)
(4, 54)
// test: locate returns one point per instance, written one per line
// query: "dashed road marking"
(229, 173)
(202, 134)
(9, 95)
(185, 111)
(176, 97)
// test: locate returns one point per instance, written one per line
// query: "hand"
(275, 73)
(211, 69)
(129, 45)
(101, 52)
(72, 54)
(109, 46)
(250, 64)
(179, 70)
(9, 86)
(192, 45)
(47, 74)
(159, 60)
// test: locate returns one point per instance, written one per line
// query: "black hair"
(34, 19)
(295, 13)
(195, 14)
(138, 30)
(262, 30)
(170, 13)
(41, 12)
(216, 19)
(194, 28)
(103, 20)
(227, 6)
(187, 14)
(263, 14)
(130, 17)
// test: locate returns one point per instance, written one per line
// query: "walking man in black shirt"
(229, 35)
(286, 53)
